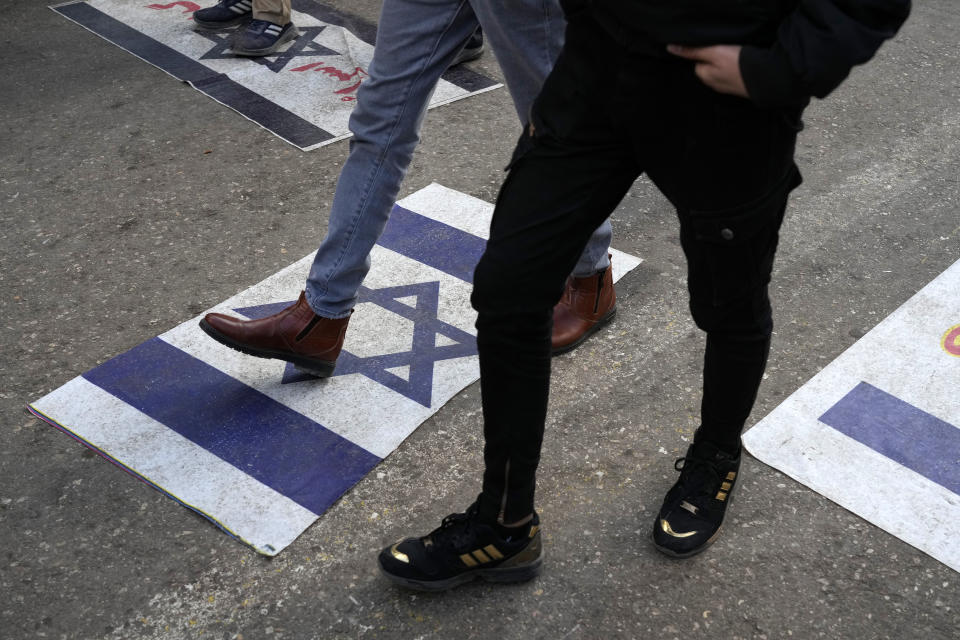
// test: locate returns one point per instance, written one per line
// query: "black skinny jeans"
(604, 117)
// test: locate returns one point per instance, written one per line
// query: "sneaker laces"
(454, 530)
(698, 477)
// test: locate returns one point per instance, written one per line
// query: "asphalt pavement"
(130, 202)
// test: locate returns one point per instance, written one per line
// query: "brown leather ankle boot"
(296, 334)
(587, 304)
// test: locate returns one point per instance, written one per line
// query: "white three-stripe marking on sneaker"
(273, 30)
(240, 8)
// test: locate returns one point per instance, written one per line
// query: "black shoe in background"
(224, 14)
(472, 50)
(261, 38)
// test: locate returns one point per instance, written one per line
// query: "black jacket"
(792, 49)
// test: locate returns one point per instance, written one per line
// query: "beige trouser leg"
(275, 11)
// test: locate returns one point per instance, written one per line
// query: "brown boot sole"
(589, 332)
(318, 368)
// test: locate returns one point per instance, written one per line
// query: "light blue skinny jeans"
(416, 42)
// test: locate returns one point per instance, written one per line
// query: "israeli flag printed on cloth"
(304, 93)
(878, 429)
(257, 447)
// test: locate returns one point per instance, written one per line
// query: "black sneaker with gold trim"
(691, 515)
(462, 549)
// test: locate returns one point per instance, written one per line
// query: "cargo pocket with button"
(737, 245)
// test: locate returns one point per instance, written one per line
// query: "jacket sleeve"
(816, 46)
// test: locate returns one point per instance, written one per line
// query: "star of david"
(303, 46)
(419, 359)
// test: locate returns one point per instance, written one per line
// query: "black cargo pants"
(605, 116)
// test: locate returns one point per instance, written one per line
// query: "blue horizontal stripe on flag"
(910, 436)
(433, 243)
(265, 439)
